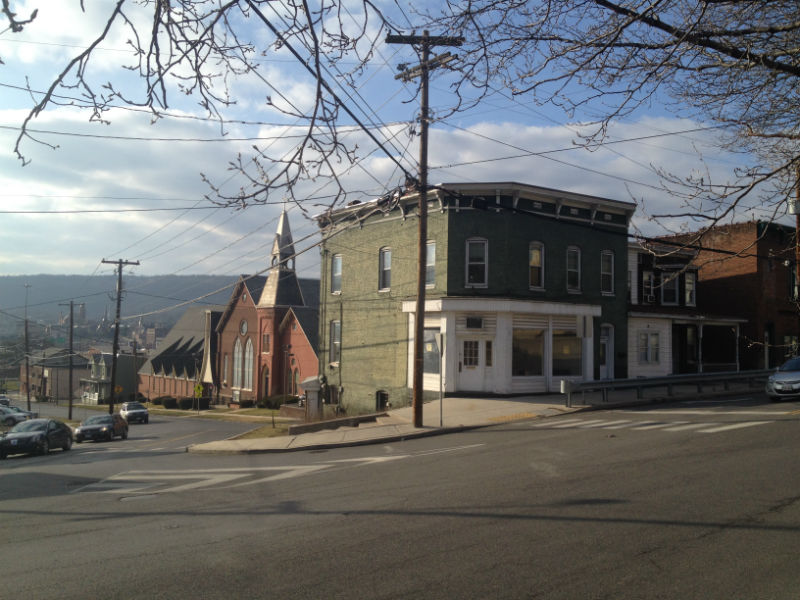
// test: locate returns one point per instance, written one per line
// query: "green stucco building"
(524, 286)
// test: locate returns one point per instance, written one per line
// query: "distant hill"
(141, 295)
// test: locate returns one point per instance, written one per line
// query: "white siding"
(643, 325)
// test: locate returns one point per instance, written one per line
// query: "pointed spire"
(282, 287)
(283, 246)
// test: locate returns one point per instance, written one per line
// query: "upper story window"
(573, 269)
(607, 272)
(690, 289)
(430, 264)
(385, 269)
(336, 274)
(536, 265)
(648, 287)
(477, 263)
(669, 288)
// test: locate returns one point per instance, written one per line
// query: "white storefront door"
(471, 365)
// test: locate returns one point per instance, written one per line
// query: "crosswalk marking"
(731, 426)
(620, 423)
(688, 426)
(671, 426)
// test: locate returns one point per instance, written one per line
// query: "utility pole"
(27, 351)
(115, 350)
(71, 306)
(425, 41)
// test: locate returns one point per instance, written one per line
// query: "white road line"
(709, 412)
(547, 422)
(565, 425)
(605, 424)
(687, 426)
(731, 426)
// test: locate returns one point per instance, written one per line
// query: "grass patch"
(267, 431)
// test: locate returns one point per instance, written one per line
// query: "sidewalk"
(456, 414)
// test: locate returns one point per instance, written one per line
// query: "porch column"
(700, 348)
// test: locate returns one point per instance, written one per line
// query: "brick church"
(266, 337)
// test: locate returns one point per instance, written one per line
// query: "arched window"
(248, 365)
(237, 364)
(296, 382)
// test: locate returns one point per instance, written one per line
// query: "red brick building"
(174, 370)
(267, 334)
(754, 278)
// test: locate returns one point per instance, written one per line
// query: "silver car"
(11, 415)
(785, 382)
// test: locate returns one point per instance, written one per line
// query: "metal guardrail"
(669, 382)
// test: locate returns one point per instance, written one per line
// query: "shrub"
(246, 403)
(169, 402)
(186, 403)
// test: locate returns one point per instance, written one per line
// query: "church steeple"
(282, 287)
(283, 246)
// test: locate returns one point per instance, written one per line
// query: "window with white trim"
(385, 269)
(237, 363)
(648, 287)
(607, 272)
(248, 365)
(648, 347)
(669, 288)
(477, 263)
(430, 264)
(573, 269)
(336, 274)
(690, 289)
(536, 265)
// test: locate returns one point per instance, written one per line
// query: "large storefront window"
(527, 355)
(430, 352)
(566, 353)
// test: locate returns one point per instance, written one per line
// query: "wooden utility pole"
(69, 389)
(115, 350)
(27, 351)
(425, 41)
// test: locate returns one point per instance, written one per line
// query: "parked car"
(11, 415)
(134, 412)
(36, 436)
(784, 383)
(102, 427)
(4, 400)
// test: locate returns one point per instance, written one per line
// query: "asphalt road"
(691, 500)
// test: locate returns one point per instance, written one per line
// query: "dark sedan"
(36, 436)
(102, 427)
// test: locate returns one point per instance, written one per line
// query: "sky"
(132, 189)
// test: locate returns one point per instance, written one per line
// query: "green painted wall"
(374, 328)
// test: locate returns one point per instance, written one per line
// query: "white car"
(134, 411)
(784, 383)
